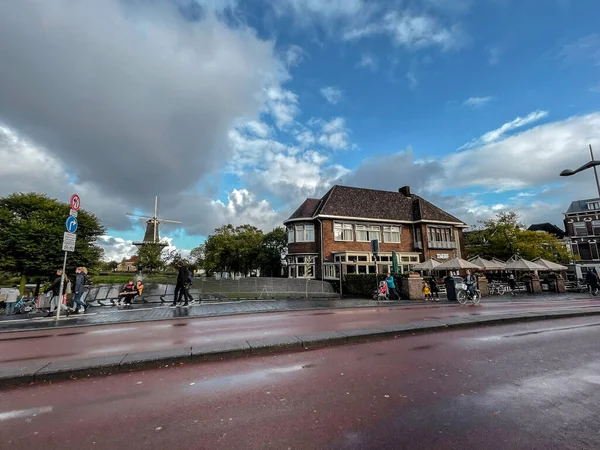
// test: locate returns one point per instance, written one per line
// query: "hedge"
(364, 285)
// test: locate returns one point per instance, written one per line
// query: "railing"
(442, 244)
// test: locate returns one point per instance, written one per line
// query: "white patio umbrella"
(550, 265)
(500, 263)
(458, 264)
(430, 264)
(486, 264)
(523, 265)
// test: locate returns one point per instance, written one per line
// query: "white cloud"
(332, 94)
(294, 55)
(259, 129)
(334, 134)
(586, 48)
(367, 62)
(500, 133)
(282, 105)
(116, 248)
(322, 10)
(243, 207)
(476, 102)
(493, 54)
(412, 31)
(305, 138)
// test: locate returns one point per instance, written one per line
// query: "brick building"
(582, 224)
(336, 230)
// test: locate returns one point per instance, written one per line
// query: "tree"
(150, 258)
(232, 250)
(109, 266)
(272, 252)
(197, 257)
(31, 234)
(505, 236)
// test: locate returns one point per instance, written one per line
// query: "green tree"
(150, 258)
(505, 236)
(272, 253)
(108, 266)
(231, 249)
(197, 257)
(31, 234)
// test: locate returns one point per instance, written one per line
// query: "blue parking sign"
(71, 224)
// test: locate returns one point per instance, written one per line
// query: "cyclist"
(471, 282)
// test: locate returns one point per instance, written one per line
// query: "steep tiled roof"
(548, 228)
(306, 209)
(346, 201)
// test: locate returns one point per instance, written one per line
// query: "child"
(426, 292)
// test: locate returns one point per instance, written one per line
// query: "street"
(523, 386)
(28, 347)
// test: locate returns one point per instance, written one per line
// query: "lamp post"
(593, 163)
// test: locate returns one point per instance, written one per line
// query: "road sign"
(75, 202)
(71, 224)
(69, 240)
(73, 213)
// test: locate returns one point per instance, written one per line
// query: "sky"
(235, 111)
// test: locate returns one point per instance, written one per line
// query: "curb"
(109, 365)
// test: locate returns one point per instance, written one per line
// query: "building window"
(580, 229)
(300, 260)
(331, 271)
(343, 232)
(391, 234)
(596, 227)
(367, 234)
(290, 235)
(302, 266)
(305, 233)
(340, 258)
(593, 206)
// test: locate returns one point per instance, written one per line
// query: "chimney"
(405, 190)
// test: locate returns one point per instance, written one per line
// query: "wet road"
(525, 386)
(31, 347)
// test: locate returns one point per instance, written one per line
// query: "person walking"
(592, 281)
(11, 295)
(54, 289)
(426, 292)
(184, 281)
(433, 287)
(392, 292)
(512, 285)
(80, 282)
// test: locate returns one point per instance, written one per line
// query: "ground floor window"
(302, 266)
(331, 271)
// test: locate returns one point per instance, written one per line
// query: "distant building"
(336, 231)
(582, 225)
(548, 228)
(129, 265)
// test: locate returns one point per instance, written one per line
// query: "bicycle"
(497, 288)
(464, 296)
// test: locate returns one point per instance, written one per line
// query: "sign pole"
(62, 283)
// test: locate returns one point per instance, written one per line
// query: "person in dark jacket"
(433, 287)
(54, 288)
(182, 285)
(592, 281)
(80, 281)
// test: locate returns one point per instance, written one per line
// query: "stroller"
(382, 292)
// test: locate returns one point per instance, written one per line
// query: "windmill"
(152, 227)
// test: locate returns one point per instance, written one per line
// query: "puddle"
(241, 379)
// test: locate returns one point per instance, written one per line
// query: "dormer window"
(593, 206)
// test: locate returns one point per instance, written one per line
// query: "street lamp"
(593, 163)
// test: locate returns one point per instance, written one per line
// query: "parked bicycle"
(498, 289)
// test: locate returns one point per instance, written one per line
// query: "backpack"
(190, 277)
(87, 281)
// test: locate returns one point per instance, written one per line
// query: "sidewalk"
(64, 353)
(153, 312)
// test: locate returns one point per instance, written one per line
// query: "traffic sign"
(73, 213)
(75, 202)
(69, 240)
(71, 224)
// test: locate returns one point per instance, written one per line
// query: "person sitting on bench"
(128, 293)
(139, 287)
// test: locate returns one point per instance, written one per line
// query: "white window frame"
(305, 233)
(373, 232)
(290, 235)
(389, 232)
(580, 225)
(593, 206)
(596, 225)
(331, 271)
(343, 232)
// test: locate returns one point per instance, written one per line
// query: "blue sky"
(240, 110)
